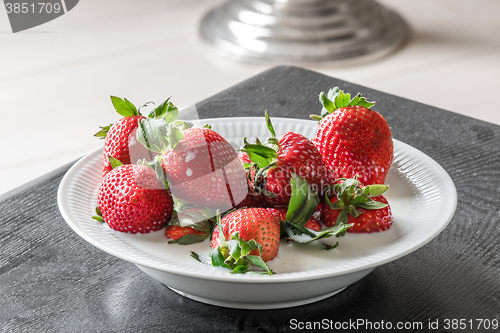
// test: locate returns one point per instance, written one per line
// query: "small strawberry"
(176, 232)
(259, 224)
(190, 226)
(120, 138)
(132, 199)
(364, 207)
(353, 139)
(202, 168)
(279, 158)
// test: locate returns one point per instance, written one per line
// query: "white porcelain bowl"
(422, 196)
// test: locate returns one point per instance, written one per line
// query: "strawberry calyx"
(351, 195)
(234, 254)
(98, 216)
(163, 133)
(336, 98)
(126, 108)
(263, 157)
(303, 204)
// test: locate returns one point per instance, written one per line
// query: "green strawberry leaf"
(173, 136)
(196, 257)
(303, 202)
(353, 211)
(257, 261)
(103, 132)
(308, 235)
(375, 190)
(217, 258)
(124, 107)
(261, 155)
(152, 134)
(261, 150)
(165, 110)
(342, 218)
(336, 205)
(98, 217)
(243, 268)
(372, 205)
(361, 101)
(235, 249)
(114, 162)
(327, 103)
(269, 125)
(342, 99)
(205, 226)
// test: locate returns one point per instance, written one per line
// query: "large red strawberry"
(353, 139)
(259, 224)
(279, 158)
(363, 207)
(120, 138)
(132, 199)
(202, 168)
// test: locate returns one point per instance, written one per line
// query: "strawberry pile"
(161, 173)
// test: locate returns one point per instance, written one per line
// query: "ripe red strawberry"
(353, 139)
(132, 199)
(204, 170)
(259, 224)
(175, 232)
(120, 138)
(279, 158)
(312, 223)
(190, 226)
(363, 207)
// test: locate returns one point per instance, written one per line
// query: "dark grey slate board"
(51, 280)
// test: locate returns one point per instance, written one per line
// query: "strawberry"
(364, 207)
(202, 168)
(190, 226)
(120, 138)
(259, 224)
(132, 199)
(279, 158)
(353, 139)
(205, 171)
(176, 232)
